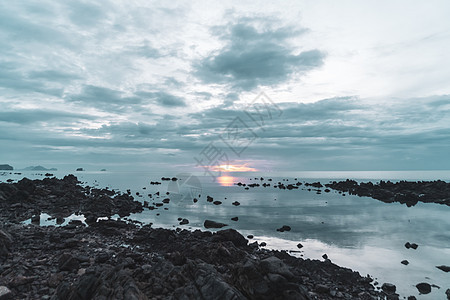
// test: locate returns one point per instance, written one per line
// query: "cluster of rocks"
(405, 192)
(108, 259)
(60, 198)
(116, 260)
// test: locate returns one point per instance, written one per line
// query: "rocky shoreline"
(108, 259)
(405, 192)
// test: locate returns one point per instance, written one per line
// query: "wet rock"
(230, 235)
(236, 203)
(412, 298)
(423, 288)
(217, 202)
(447, 292)
(250, 236)
(388, 288)
(444, 268)
(408, 245)
(263, 244)
(36, 219)
(235, 219)
(299, 246)
(414, 246)
(209, 199)
(213, 224)
(405, 262)
(284, 228)
(325, 256)
(184, 222)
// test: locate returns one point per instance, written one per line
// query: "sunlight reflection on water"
(226, 180)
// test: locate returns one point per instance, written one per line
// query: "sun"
(233, 168)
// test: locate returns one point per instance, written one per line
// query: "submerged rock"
(284, 228)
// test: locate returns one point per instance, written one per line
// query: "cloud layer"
(117, 84)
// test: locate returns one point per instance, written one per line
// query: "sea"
(360, 233)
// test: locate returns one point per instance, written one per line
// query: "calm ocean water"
(356, 232)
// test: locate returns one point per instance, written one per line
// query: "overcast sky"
(351, 85)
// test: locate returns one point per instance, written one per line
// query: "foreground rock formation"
(115, 260)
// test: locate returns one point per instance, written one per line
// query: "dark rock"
(250, 236)
(275, 265)
(408, 245)
(80, 169)
(213, 224)
(184, 222)
(217, 202)
(209, 199)
(444, 268)
(325, 256)
(322, 288)
(414, 246)
(423, 288)
(176, 258)
(36, 219)
(263, 244)
(231, 235)
(447, 292)
(235, 219)
(405, 262)
(236, 203)
(102, 257)
(68, 263)
(5, 243)
(299, 246)
(284, 228)
(412, 298)
(388, 288)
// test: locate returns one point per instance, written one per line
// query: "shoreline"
(108, 258)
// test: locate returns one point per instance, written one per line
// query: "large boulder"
(231, 235)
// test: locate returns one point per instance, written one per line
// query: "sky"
(256, 85)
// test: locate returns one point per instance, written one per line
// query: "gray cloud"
(162, 98)
(16, 26)
(255, 57)
(104, 98)
(14, 79)
(28, 116)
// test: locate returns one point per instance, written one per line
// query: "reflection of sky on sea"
(357, 232)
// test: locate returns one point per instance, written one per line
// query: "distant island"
(6, 167)
(38, 168)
